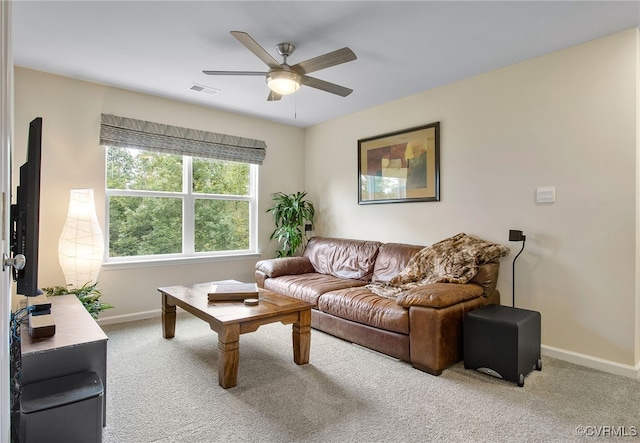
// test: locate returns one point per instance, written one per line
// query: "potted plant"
(89, 295)
(290, 213)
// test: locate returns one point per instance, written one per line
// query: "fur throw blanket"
(452, 260)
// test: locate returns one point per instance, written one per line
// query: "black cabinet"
(77, 349)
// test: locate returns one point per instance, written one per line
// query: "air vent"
(203, 89)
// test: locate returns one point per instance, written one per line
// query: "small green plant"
(290, 213)
(89, 295)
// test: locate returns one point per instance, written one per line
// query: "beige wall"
(568, 120)
(72, 158)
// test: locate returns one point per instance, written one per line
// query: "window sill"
(176, 261)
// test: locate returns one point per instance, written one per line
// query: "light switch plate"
(546, 194)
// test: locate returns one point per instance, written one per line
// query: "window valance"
(130, 133)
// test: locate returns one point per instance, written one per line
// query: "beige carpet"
(167, 391)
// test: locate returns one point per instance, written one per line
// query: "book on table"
(232, 291)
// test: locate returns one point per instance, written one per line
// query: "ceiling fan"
(283, 79)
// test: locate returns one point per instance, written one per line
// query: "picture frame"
(400, 167)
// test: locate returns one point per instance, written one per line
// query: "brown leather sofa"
(422, 325)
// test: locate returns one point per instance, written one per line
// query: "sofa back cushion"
(487, 277)
(392, 259)
(343, 258)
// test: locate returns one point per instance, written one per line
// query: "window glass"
(143, 170)
(144, 226)
(164, 204)
(221, 225)
(220, 177)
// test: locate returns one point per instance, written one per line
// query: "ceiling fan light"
(283, 82)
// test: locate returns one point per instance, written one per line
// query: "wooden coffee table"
(232, 318)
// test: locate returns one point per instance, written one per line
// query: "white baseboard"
(592, 362)
(136, 316)
(129, 317)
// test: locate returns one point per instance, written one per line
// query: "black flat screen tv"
(25, 215)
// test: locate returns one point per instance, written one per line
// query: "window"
(174, 192)
(172, 205)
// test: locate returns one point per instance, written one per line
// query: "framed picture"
(400, 167)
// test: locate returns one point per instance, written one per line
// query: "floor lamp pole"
(515, 236)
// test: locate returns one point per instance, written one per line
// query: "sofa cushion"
(487, 277)
(308, 287)
(353, 259)
(439, 295)
(392, 259)
(362, 306)
(275, 267)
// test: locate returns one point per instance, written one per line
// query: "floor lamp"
(515, 235)
(81, 245)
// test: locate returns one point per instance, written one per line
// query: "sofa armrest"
(436, 334)
(260, 278)
(439, 295)
(275, 267)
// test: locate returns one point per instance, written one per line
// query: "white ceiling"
(161, 47)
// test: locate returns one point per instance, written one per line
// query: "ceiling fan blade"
(324, 61)
(254, 47)
(273, 96)
(326, 86)
(234, 73)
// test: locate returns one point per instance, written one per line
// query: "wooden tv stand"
(78, 345)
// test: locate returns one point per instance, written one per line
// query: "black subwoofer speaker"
(503, 342)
